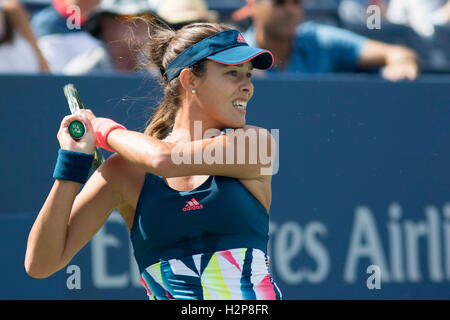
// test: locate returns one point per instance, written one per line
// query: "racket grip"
(77, 129)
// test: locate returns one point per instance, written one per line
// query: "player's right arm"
(68, 220)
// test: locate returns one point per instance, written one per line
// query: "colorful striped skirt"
(236, 274)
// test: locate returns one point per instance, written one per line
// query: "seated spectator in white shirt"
(19, 51)
(421, 15)
(63, 40)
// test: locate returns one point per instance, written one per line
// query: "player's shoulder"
(254, 135)
(120, 172)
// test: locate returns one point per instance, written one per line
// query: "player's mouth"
(240, 105)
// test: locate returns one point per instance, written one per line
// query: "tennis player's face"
(225, 91)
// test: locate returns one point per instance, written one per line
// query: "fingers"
(85, 116)
(64, 127)
(400, 72)
(86, 112)
(87, 142)
(89, 113)
(76, 116)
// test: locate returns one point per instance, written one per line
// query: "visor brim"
(261, 59)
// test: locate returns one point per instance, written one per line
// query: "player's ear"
(188, 80)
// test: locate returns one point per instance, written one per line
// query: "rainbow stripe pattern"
(236, 274)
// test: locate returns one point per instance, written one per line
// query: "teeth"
(241, 105)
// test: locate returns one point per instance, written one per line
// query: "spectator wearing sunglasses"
(314, 48)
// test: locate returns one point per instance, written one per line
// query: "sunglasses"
(283, 2)
(129, 17)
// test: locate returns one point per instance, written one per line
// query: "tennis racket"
(76, 128)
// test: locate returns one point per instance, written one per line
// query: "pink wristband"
(102, 128)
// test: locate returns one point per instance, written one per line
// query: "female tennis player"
(199, 229)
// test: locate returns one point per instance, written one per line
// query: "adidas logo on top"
(241, 39)
(192, 205)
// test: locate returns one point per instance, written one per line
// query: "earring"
(194, 91)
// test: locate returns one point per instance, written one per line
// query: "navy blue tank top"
(220, 214)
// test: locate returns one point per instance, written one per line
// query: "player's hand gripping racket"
(76, 128)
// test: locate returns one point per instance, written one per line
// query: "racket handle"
(77, 129)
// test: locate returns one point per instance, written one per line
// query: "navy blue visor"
(227, 47)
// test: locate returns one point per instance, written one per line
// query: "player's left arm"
(399, 62)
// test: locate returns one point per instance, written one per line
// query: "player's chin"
(234, 119)
(237, 123)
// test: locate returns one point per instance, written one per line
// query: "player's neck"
(188, 126)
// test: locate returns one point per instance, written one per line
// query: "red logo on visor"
(241, 39)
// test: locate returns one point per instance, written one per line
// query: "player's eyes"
(235, 73)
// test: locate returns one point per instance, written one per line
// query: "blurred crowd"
(398, 39)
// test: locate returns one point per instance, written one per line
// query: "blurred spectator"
(19, 51)
(178, 13)
(121, 26)
(62, 39)
(315, 48)
(421, 15)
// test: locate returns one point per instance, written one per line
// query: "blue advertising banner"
(360, 198)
